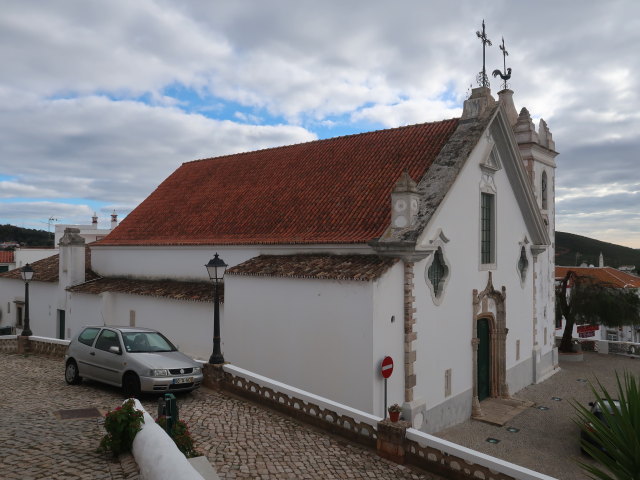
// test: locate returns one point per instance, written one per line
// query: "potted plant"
(122, 425)
(394, 412)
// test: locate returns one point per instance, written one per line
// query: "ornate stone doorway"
(489, 345)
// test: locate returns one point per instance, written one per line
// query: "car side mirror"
(114, 349)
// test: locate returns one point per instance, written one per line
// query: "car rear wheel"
(71, 373)
(131, 385)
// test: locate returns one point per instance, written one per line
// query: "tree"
(583, 300)
(618, 433)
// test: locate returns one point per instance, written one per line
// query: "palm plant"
(617, 433)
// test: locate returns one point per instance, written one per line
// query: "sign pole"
(385, 399)
(386, 369)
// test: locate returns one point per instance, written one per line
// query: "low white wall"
(157, 455)
(475, 457)
(423, 439)
(322, 402)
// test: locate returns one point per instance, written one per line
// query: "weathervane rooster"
(507, 71)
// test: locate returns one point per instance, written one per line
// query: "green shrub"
(122, 426)
(619, 434)
(181, 436)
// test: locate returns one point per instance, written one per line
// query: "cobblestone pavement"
(241, 439)
(547, 441)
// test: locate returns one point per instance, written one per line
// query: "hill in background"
(572, 250)
(25, 236)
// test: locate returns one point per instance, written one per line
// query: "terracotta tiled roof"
(46, 270)
(604, 275)
(327, 191)
(6, 256)
(193, 291)
(331, 267)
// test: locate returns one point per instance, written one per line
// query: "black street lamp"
(216, 268)
(27, 275)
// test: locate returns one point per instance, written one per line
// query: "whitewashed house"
(22, 256)
(430, 243)
(605, 276)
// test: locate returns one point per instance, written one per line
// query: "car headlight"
(159, 372)
(197, 370)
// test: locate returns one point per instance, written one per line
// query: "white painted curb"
(157, 455)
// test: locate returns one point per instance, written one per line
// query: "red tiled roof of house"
(605, 275)
(46, 270)
(172, 289)
(6, 256)
(326, 191)
(320, 266)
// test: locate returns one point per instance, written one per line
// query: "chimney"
(114, 220)
(94, 220)
(601, 260)
(478, 103)
(72, 258)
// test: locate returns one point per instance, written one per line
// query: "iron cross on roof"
(482, 78)
(507, 71)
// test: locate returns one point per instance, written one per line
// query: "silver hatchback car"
(136, 359)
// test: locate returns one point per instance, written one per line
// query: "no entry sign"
(386, 369)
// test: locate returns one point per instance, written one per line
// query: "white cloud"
(107, 151)
(72, 124)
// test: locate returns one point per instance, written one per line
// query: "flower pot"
(394, 416)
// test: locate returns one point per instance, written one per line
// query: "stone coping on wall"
(57, 341)
(437, 454)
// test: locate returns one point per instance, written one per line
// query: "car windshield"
(138, 342)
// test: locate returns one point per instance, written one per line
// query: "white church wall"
(448, 327)
(189, 325)
(314, 334)
(187, 262)
(83, 310)
(388, 336)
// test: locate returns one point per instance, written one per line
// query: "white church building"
(430, 243)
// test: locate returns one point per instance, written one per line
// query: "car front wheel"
(131, 385)
(71, 373)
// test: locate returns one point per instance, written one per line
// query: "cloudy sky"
(100, 101)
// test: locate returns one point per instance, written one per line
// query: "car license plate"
(182, 380)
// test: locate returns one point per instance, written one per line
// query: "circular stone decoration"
(400, 205)
(400, 221)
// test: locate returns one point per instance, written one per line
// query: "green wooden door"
(484, 370)
(61, 324)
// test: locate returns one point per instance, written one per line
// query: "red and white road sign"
(386, 369)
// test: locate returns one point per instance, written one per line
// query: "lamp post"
(27, 275)
(216, 268)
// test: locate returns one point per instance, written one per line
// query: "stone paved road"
(242, 440)
(547, 440)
